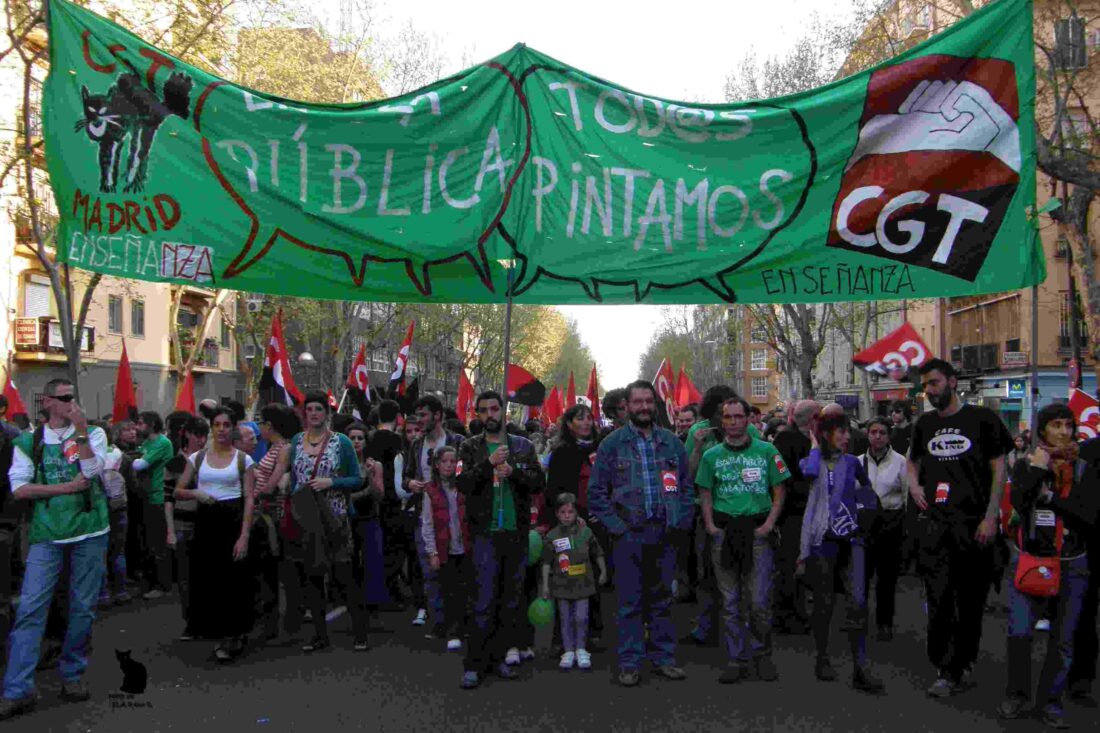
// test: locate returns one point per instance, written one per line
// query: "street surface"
(407, 682)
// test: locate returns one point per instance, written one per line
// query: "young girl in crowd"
(447, 542)
(832, 548)
(323, 472)
(569, 550)
(219, 478)
(1054, 493)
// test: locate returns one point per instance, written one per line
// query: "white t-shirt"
(224, 484)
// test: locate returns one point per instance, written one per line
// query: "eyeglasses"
(62, 397)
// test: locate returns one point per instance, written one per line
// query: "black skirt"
(222, 589)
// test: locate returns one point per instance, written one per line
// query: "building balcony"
(208, 356)
(39, 339)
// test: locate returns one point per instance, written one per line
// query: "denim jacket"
(616, 489)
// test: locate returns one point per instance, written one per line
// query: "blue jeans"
(746, 599)
(1024, 610)
(645, 566)
(432, 593)
(88, 564)
(843, 562)
(500, 559)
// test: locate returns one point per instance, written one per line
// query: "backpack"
(114, 485)
(202, 457)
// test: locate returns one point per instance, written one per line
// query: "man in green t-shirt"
(741, 485)
(156, 451)
(56, 471)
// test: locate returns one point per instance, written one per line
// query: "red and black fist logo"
(936, 165)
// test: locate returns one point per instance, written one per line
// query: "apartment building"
(753, 361)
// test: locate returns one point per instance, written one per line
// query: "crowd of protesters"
(766, 522)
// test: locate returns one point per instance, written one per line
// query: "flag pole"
(1035, 363)
(507, 338)
(342, 398)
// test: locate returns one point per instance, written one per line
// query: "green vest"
(62, 517)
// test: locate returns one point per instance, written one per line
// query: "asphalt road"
(409, 683)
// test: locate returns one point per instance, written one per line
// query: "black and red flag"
(397, 379)
(276, 382)
(523, 388)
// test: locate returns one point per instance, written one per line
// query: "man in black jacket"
(499, 473)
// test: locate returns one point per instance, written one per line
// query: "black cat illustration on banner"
(129, 109)
(134, 675)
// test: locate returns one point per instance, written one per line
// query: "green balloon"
(540, 612)
(534, 547)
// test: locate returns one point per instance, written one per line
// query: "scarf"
(1062, 463)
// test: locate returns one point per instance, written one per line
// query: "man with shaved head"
(793, 443)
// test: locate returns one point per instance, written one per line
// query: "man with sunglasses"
(57, 469)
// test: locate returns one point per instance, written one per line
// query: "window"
(759, 386)
(956, 354)
(759, 359)
(187, 318)
(379, 361)
(114, 313)
(137, 317)
(225, 334)
(1065, 340)
(1061, 246)
(36, 297)
(740, 361)
(759, 334)
(1070, 51)
(1012, 345)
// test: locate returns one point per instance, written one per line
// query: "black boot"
(1018, 683)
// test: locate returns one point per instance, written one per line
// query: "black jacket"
(564, 471)
(1078, 511)
(476, 481)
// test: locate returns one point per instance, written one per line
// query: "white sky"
(675, 50)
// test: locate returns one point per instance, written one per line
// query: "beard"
(943, 400)
(642, 419)
(492, 426)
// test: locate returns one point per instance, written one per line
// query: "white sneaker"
(512, 657)
(421, 617)
(567, 660)
(453, 645)
(1042, 624)
(527, 654)
(584, 659)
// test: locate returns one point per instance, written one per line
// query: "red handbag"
(1040, 576)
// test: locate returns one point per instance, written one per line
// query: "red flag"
(464, 405)
(593, 394)
(397, 379)
(276, 378)
(125, 399)
(894, 354)
(523, 388)
(1086, 410)
(15, 402)
(666, 389)
(552, 408)
(358, 376)
(185, 400)
(686, 393)
(570, 393)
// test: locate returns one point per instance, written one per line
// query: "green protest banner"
(911, 180)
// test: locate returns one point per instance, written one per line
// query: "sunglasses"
(62, 397)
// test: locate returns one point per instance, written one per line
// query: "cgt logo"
(948, 446)
(936, 164)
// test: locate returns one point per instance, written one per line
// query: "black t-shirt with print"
(954, 454)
